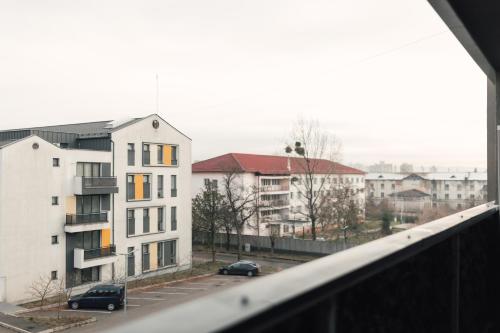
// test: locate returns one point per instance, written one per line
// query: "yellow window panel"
(153, 256)
(167, 155)
(105, 237)
(139, 187)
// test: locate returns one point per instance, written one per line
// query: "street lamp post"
(127, 256)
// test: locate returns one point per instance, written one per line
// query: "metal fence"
(281, 244)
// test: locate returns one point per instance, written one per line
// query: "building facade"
(412, 193)
(74, 199)
(279, 184)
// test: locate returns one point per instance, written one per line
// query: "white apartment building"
(415, 191)
(278, 180)
(75, 198)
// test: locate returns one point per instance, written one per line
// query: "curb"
(38, 308)
(170, 282)
(63, 327)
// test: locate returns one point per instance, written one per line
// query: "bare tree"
(207, 213)
(240, 202)
(41, 288)
(62, 293)
(313, 166)
(273, 234)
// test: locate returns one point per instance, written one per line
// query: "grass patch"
(54, 321)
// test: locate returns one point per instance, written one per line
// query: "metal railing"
(93, 182)
(275, 203)
(99, 252)
(86, 218)
(441, 276)
(274, 188)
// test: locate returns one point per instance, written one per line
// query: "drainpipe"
(113, 205)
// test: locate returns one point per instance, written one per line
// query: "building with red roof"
(278, 180)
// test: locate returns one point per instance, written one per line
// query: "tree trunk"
(212, 241)
(313, 226)
(238, 231)
(228, 239)
(272, 246)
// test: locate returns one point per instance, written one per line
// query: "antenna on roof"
(157, 94)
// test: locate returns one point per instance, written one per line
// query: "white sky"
(385, 76)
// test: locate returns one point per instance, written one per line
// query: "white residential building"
(415, 191)
(73, 198)
(277, 180)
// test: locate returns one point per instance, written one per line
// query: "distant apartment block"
(381, 167)
(74, 198)
(277, 180)
(414, 192)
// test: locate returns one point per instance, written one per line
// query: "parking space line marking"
(186, 288)
(148, 298)
(133, 305)
(200, 284)
(163, 292)
(92, 311)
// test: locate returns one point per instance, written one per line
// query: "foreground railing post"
(455, 284)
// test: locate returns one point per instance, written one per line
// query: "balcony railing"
(274, 188)
(441, 276)
(99, 252)
(275, 203)
(72, 219)
(95, 185)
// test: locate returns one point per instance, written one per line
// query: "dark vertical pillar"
(455, 284)
(492, 140)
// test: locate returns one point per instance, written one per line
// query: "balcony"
(275, 188)
(275, 203)
(94, 257)
(86, 222)
(95, 185)
(435, 277)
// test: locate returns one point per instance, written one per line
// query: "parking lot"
(149, 300)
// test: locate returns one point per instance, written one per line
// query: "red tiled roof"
(269, 165)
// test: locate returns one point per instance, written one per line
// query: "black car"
(244, 267)
(104, 296)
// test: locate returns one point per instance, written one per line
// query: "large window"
(173, 218)
(131, 154)
(145, 220)
(146, 154)
(145, 257)
(167, 253)
(88, 169)
(174, 155)
(130, 222)
(138, 187)
(159, 154)
(173, 186)
(130, 187)
(91, 274)
(160, 186)
(146, 187)
(88, 204)
(161, 219)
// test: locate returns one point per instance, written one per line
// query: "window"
(174, 155)
(131, 261)
(393, 187)
(446, 196)
(145, 257)
(381, 186)
(159, 155)
(459, 206)
(53, 275)
(173, 218)
(55, 201)
(459, 187)
(291, 195)
(446, 187)
(166, 254)
(434, 196)
(472, 196)
(459, 196)
(146, 158)
(147, 186)
(207, 181)
(87, 169)
(173, 185)
(130, 187)
(130, 222)
(131, 154)
(54, 240)
(161, 221)
(160, 186)
(145, 220)
(472, 187)
(55, 162)
(382, 194)
(286, 228)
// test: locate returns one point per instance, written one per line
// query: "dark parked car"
(104, 296)
(244, 267)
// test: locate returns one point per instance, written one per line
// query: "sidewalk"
(20, 324)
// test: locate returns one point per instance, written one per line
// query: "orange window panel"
(105, 237)
(139, 187)
(153, 256)
(167, 155)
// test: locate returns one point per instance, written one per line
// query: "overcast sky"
(386, 76)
